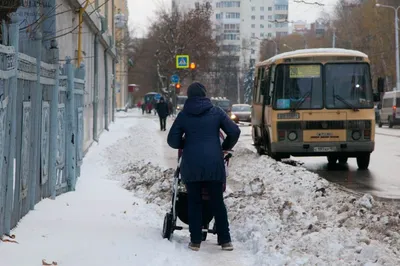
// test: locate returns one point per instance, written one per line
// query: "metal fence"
(41, 126)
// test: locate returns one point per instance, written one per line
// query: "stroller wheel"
(204, 236)
(167, 227)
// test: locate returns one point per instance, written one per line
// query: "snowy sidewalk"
(102, 223)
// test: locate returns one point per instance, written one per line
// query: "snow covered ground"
(279, 214)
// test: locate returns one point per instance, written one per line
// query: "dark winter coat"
(200, 122)
(162, 109)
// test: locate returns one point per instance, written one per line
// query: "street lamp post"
(396, 25)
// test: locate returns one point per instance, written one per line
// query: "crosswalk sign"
(182, 61)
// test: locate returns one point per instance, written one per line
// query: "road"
(382, 178)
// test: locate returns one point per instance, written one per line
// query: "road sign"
(157, 97)
(174, 78)
(182, 61)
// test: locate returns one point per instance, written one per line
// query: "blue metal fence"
(41, 126)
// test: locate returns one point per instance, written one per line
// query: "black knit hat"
(196, 89)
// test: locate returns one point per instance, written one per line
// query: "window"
(241, 108)
(261, 26)
(281, 7)
(261, 8)
(252, 43)
(262, 17)
(281, 17)
(231, 28)
(253, 17)
(219, 16)
(269, 8)
(269, 25)
(228, 4)
(253, 35)
(387, 103)
(253, 8)
(269, 34)
(269, 17)
(262, 34)
(298, 86)
(253, 51)
(231, 36)
(232, 15)
(348, 86)
(253, 25)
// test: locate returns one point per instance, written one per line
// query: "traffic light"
(192, 66)
(177, 88)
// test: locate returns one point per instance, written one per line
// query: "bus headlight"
(292, 136)
(356, 135)
(178, 107)
(233, 116)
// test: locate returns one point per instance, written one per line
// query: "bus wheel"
(343, 159)
(363, 161)
(332, 159)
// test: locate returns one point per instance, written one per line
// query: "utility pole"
(396, 26)
(334, 39)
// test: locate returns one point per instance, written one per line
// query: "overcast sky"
(142, 11)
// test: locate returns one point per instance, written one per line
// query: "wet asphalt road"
(382, 179)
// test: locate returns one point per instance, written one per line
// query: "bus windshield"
(348, 85)
(299, 87)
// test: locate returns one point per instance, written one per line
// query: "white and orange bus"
(315, 102)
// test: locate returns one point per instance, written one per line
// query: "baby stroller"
(179, 207)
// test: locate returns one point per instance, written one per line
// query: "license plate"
(324, 149)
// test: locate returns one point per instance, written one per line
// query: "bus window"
(272, 79)
(350, 82)
(298, 86)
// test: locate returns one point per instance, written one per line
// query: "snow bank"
(287, 215)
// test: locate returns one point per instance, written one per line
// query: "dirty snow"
(280, 214)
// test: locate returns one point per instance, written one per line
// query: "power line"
(66, 33)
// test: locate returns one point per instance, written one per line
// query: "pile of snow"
(287, 215)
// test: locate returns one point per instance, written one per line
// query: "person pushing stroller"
(202, 163)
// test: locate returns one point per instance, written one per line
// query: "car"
(390, 109)
(222, 103)
(241, 113)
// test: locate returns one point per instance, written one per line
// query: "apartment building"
(242, 25)
(121, 35)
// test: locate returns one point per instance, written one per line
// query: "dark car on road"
(241, 112)
(223, 103)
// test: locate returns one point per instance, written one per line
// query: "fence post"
(54, 121)
(113, 91)
(37, 118)
(71, 128)
(96, 87)
(14, 41)
(106, 76)
(4, 33)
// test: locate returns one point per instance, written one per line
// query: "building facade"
(121, 36)
(98, 55)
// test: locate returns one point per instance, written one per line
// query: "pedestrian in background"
(196, 130)
(162, 110)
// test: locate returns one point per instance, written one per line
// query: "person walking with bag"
(196, 130)
(163, 112)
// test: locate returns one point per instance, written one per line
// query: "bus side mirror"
(381, 85)
(377, 97)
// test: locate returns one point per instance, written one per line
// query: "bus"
(315, 102)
